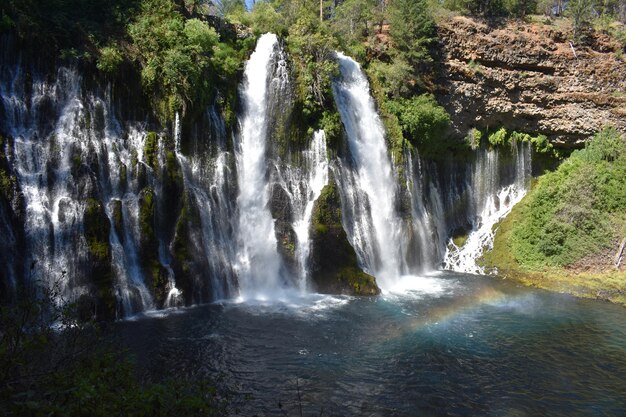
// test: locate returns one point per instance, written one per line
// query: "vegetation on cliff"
(567, 230)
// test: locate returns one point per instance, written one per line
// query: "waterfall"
(225, 218)
(492, 201)
(259, 264)
(303, 185)
(367, 181)
(174, 295)
(209, 182)
(427, 223)
(67, 148)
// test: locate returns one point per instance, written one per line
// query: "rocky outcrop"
(528, 77)
(334, 266)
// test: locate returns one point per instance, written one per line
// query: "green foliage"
(607, 145)
(109, 60)
(6, 23)
(412, 29)
(422, 119)
(150, 150)
(353, 21)
(545, 7)
(78, 27)
(581, 12)
(498, 138)
(231, 8)
(502, 137)
(173, 53)
(578, 209)
(473, 138)
(312, 50)
(396, 78)
(97, 230)
(331, 123)
(7, 181)
(54, 364)
(264, 19)
(487, 8)
(520, 8)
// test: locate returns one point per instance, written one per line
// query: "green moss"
(146, 214)
(150, 150)
(158, 280)
(6, 184)
(358, 281)
(460, 240)
(156, 275)
(97, 230)
(331, 123)
(335, 265)
(327, 212)
(173, 174)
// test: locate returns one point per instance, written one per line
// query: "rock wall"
(528, 77)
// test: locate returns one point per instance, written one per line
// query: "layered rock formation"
(528, 77)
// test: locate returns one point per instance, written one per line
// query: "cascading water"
(216, 215)
(259, 264)
(58, 137)
(367, 181)
(303, 185)
(208, 180)
(491, 202)
(174, 294)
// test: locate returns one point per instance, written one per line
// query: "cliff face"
(527, 77)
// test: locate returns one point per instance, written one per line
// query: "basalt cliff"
(530, 77)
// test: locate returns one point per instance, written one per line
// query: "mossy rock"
(157, 280)
(335, 268)
(97, 228)
(147, 209)
(151, 150)
(358, 281)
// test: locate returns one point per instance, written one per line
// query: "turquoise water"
(448, 344)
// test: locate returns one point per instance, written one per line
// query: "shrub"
(109, 60)
(578, 209)
(422, 119)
